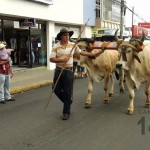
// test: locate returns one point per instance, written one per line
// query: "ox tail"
(117, 75)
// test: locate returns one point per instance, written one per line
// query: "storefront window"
(29, 43)
(38, 45)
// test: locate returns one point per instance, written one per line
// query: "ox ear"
(140, 47)
(137, 58)
(116, 36)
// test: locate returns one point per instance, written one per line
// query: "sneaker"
(65, 117)
(11, 99)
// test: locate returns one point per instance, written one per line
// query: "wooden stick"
(79, 36)
(53, 89)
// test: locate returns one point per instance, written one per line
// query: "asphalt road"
(25, 125)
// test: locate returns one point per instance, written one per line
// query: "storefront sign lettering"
(27, 22)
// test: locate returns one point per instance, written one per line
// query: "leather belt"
(66, 68)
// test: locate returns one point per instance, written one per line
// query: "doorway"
(23, 50)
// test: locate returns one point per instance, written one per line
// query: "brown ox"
(135, 60)
(100, 68)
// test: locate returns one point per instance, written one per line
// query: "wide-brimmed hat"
(2, 45)
(62, 31)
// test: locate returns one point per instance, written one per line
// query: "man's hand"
(9, 51)
(97, 52)
(11, 75)
(63, 58)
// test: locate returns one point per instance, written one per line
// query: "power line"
(126, 7)
(135, 14)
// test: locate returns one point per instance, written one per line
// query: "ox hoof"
(106, 101)
(129, 111)
(87, 105)
(121, 90)
(111, 94)
(147, 105)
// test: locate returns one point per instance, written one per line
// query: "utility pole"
(122, 18)
(132, 19)
(132, 16)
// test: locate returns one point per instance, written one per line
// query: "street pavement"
(25, 79)
(26, 125)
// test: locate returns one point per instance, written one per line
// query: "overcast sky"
(141, 8)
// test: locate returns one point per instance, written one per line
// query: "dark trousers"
(64, 88)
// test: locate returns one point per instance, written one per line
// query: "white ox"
(135, 60)
(100, 68)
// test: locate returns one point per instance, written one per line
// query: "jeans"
(64, 88)
(4, 87)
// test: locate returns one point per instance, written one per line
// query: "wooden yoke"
(104, 45)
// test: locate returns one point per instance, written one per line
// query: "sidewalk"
(25, 79)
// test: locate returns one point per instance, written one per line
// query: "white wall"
(50, 34)
(67, 10)
(76, 30)
(87, 32)
(61, 11)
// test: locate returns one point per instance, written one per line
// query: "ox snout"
(119, 66)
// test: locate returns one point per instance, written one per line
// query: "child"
(5, 54)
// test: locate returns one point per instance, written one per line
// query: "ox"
(101, 67)
(135, 60)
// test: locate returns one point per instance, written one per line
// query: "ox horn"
(116, 37)
(129, 45)
(137, 58)
(119, 41)
(143, 36)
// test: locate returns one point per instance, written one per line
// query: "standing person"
(5, 76)
(64, 60)
(5, 54)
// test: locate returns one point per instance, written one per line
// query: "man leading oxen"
(135, 60)
(101, 67)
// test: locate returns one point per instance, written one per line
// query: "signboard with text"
(31, 22)
(98, 32)
(137, 31)
(145, 25)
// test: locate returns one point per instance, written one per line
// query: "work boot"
(65, 117)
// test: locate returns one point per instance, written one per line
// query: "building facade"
(30, 26)
(107, 17)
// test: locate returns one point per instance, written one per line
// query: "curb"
(29, 87)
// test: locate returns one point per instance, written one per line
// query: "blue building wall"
(89, 12)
